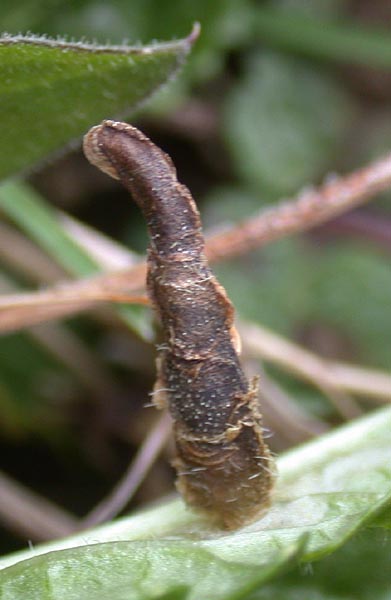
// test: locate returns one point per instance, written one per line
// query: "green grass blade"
(27, 209)
(38, 220)
(342, 42)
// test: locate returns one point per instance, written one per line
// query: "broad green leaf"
(283, 123)
(52, 91)
(39, 221)
(326, 490)
(128, 571)
(224, 23)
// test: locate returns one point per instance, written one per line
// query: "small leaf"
(51, 91)
(283, 123)
(326, 490)
(352, 286)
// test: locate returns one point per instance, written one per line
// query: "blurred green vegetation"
(361, 569)
(274, 97)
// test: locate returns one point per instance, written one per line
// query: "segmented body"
(223, 464)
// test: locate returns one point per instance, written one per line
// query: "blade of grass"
(39, 221)
(341, 42)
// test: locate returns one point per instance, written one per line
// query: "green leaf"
(39, 221)
(128, 571)
(224, 23)
(326, 490)
(342, 42)
(352, 285)
(283, 123)
(360, 570)
(52, 91)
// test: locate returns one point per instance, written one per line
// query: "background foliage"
(275, 96)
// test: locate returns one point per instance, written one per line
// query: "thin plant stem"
(122, 493)
(310, 208)
(31, 515)
(331, 377)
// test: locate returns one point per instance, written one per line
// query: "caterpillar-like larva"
(223, 464)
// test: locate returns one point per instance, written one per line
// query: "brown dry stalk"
(105, 251)
(259, 340)
(21, 255)
(310, 208)
(31, 515)
(330, 376)
(26, 309)
(69, 349)
(290, 423)
(124, 490)
(222, 462)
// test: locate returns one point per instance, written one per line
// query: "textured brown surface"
(223, 464)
